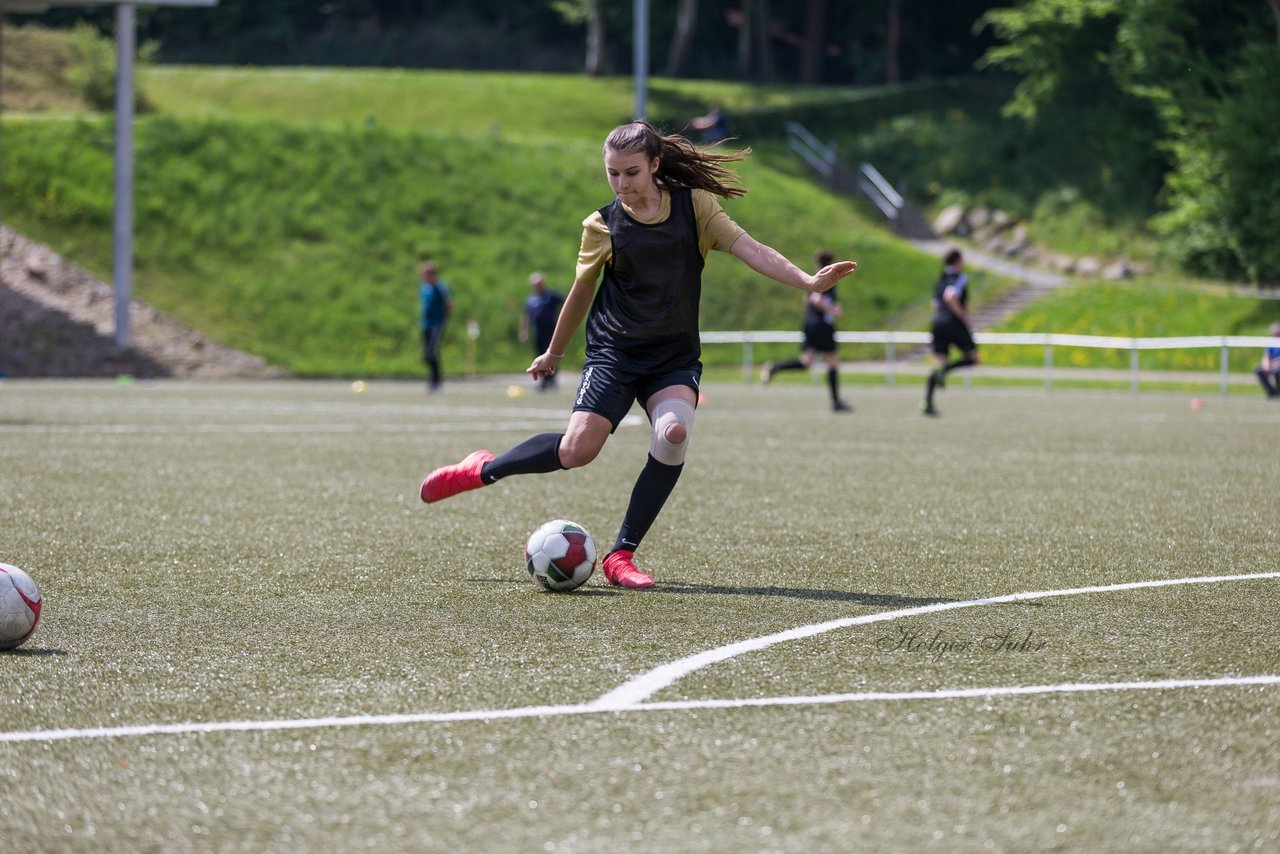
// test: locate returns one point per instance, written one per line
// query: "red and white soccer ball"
(19, 606)
(560, 555)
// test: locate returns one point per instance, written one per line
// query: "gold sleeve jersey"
(715, 231)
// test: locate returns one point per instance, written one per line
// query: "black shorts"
(952, 333)
(609, 391)
(820, 337)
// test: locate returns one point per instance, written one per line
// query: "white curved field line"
(641, 687)
(631, 695)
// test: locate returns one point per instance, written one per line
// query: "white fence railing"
(1047, 341)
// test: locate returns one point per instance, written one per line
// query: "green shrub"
(64, 69)
(1223, 201)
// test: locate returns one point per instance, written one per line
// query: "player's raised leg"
(448, 481)
(545, 452)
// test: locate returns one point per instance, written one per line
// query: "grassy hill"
(519, 106)
(298, 238)
(59, 71)
(284, 212)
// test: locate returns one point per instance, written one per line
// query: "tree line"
(1185, 91)
(810, 42)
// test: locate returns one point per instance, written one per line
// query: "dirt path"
(56, 320)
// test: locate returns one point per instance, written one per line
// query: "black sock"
(929, 389)
(789, 365)
(652, 487)
(833, 382)
(959, 363)
(536, 455)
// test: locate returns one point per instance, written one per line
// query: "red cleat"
(621, 572)
(460, 477)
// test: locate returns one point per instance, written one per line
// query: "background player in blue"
(436, 304)
(638, 287)
(820, 313)
(540, 312)
(951, 327)
(1268, 371)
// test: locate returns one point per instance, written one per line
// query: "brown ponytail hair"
(680, 163)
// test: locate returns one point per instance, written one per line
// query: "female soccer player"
(820, 313)
(646, 250)
(951, 326)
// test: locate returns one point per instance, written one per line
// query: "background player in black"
(638, 285)
(951, 327)
(540, 312)
(820, 313)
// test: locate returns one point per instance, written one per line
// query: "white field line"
(235, 429)
(960, 693)
(592, 709)
(642, 687)
(530, 421)
(630, 697)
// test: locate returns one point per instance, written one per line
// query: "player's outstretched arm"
(768, 261)
(826, 278)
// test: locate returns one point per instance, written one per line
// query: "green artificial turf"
(212, 553)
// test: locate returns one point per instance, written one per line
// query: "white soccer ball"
(560, 555)
(19, 606)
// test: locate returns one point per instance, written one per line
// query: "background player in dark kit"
(539, 321)
(820, 313)
(951, 326)
(435, 306)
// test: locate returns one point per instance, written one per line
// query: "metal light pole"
(641, 55)
(123, 229)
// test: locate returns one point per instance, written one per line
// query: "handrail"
(882, 183)
(882, 194)
(820, 156)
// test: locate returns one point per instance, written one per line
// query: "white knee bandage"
(666, 415)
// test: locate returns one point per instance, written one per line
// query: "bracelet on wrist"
(555, 355)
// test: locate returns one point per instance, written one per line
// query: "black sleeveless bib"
(645, 313)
